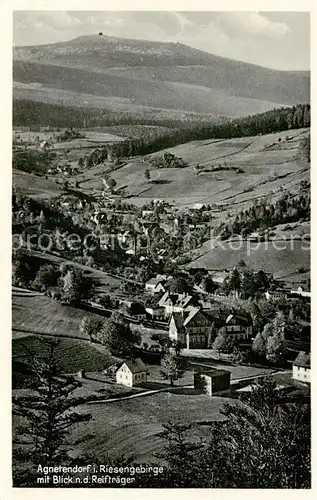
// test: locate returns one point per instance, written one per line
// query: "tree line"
(262, 216)
(39, 114)
(276, 120)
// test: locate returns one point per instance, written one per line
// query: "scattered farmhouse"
(132, 372)
(302, 291)
(219, 277)
(45, 145)
(156, 285)
(213, 382)
(193, 330)
(275, 294)
(200, 207)
(301, 368)
(240, 325)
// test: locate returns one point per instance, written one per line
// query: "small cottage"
(131, 372)
(301, 368)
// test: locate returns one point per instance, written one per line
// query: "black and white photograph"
(161, 277)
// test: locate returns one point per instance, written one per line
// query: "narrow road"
(138, 395)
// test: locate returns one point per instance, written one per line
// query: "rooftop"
(302, 360)
(134, 365)
(213, 373)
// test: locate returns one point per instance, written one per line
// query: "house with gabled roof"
(175, 302)
(301, 368)
(131, 372)
(156, 285)
(239, 325)
(193, 329)
(199, 207)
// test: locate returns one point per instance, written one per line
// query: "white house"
(300, 291)
(45, 145)
(199, 206)
(156, 313)
(301, 368)
(156, 285)
(131, 372)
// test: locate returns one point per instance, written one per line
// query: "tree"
(147, 174)
(117, 336)
(263, 442)
(264, 397)
(181, 284)
(112, 184)
(224, 342)
(304, 147)
(237, 356)
(259, 344)
(275, 347)
(177, 346)
(209, 285)
(46, 277)
(106, 301)
(178, 452)
(234, 282)
(48, 416)
(22, 270)
(91, 326)
(172, 368)
(76, 287)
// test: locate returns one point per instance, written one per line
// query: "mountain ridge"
(158, 74)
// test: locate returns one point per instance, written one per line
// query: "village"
(161, 250)
(207, 313)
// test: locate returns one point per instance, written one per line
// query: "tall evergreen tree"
(47, 415)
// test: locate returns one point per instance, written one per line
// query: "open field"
(35, 186)
(265, 172)
(127, 425)
(44, 315)
(71, 355)
(278, 257)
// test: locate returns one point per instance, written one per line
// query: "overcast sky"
(278, 40)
